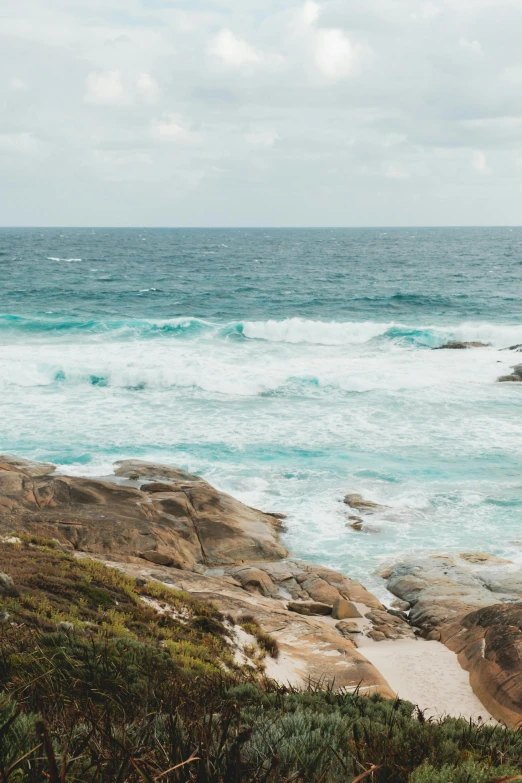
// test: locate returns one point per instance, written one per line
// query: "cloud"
(311, 12)
(480, 162)
(335, 55)
(395, 171)
(15, 83)
(23, 144)
(173, 129)
(236, 102)
(233, 51)
(262, 138)
(471, 46)
(147, 88)
(105, 89)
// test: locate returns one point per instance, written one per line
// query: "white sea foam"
(298, 330)
(291, 424)
(65, 260)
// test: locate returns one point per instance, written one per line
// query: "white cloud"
(395, 171)
(480, 162)
(311, 12)
(16, 83)
(172, 128)
(335, 55)
(233, 51)
(105, 88)
(262, 138)
(147, 88)
(471, 46)
(18, 144)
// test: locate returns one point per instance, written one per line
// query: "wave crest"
(288, 330)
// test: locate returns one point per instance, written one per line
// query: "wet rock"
(461, 346)
(357, 502)
(309, 608)
(517, 370)
(137, 469)
(509, 379)
(514, 348)
(343, 610)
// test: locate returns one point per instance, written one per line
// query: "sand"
(428, 674)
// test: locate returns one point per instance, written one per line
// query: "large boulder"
(489, 646)
(186, 520)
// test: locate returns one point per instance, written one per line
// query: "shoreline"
(198, 539)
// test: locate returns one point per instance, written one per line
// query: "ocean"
(286, 366)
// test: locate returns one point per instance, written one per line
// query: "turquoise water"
(288, 367)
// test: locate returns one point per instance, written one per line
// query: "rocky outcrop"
(514, 377)
(311, 650)
(179, 519)
(489, 645)
(473, 604)
(358, 503)
(459, 346)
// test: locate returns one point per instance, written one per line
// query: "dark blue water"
(232, 274)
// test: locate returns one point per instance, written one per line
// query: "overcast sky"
(260, 112)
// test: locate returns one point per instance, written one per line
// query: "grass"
(97, 685)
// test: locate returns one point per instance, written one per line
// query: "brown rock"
(343, 609)
(489, 644)
(509, 379)
(347, 628)
(192, 522)
(482, 557)
(157, 486)
(27, 466)
(158, 557)
(309, 608)
(358, 502)
(318, 589)
(137, 469)
(461, 346)
(254, 580)
(377, 636)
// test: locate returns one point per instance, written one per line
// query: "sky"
(260, 112)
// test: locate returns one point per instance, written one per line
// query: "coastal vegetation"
(108, 678)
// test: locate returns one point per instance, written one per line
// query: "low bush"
(119, 692)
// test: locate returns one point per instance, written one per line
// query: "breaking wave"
(289, 330)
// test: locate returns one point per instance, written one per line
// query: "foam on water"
(288, 382)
